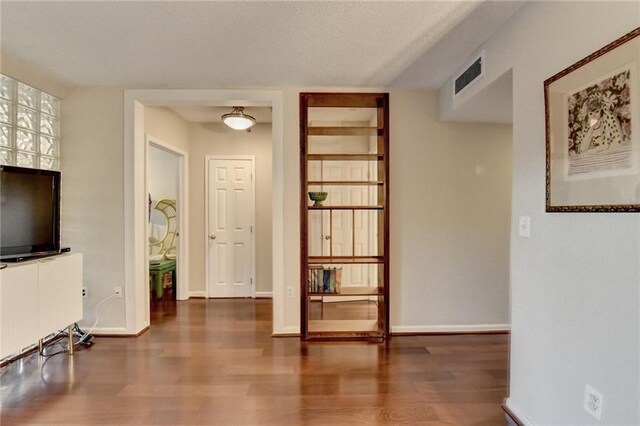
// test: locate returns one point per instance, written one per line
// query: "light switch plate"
(524, 226)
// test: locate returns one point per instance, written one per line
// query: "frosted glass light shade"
(238, 120)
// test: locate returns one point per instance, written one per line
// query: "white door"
(231, 212)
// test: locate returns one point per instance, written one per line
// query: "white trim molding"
(183, 211)
(522, 417)
(291, 330)
(135, 209)
(100, 331)
(198, 294)
(264, 294)
(458, 328)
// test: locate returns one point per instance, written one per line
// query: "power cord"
(88, 335)
(85, 338)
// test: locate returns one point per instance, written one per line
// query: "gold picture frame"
(592, 118)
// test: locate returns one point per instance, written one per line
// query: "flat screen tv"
(29, 213)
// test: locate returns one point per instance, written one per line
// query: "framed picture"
(592, 114)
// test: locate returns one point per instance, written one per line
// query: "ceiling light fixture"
(238, 120)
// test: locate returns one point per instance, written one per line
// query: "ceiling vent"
(469, 76)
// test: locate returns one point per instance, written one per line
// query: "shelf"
(345, 182)
(343, 326)
(319, 260)
(345, 136)
(344, 100)
(343, 131)
(346, 207)
(353, 291)
(345, 157)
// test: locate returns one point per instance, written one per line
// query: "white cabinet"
(38, 298)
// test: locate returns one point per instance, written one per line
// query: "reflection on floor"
(163, 309)
(215, 362)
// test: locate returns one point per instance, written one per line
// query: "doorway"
(167, 231)
(230, 224)
(136, 274)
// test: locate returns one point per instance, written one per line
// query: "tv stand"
(38, 297)
(34, 256)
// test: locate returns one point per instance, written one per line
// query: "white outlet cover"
(524, 226)
(593, 402)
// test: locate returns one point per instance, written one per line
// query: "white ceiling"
(241, 44)
(431, 70)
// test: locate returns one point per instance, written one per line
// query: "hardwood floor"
(215, 362)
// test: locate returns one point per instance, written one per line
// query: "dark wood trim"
(343, 131)
(304, 250)
(606, 49)
(345, 182)
(346, 207)
(379, 102)
(345, 259)
(511, 414)
(383, 104)
(611, 208)
(333, 99)
(345, 157)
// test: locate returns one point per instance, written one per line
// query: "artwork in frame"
(592, 114)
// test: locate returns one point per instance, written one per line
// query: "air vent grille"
(468, 76)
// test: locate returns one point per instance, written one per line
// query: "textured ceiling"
(445, 57)
(222, 44)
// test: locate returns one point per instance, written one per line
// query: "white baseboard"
(198, 294)
(99, 331)
(518, 413)
(264, 294)
(458, 328)
(287, 331)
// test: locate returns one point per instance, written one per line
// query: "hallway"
(215, 362)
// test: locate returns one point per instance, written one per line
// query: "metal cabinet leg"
(70, 331)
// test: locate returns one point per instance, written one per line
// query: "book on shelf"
(324, 280)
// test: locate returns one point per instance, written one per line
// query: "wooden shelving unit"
(344, 279)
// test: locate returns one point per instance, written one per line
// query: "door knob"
(327, 237)
(212, 236)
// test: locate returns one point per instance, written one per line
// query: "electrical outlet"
(117, 291)
(593, 402)
(524, 226)
(290, 291)
(85, 292)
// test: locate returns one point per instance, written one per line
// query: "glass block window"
(29, 126)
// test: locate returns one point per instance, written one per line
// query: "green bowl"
(318, 197)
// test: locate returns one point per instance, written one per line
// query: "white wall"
(218, 139)
(576, 282)
(450, 219)
(163, 167)
(444, 274)
(420, 146)
(92, 169)
(92, 159)
(163, 124)
(163, 174)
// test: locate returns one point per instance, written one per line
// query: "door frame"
(182, 257)
(207, 194)
(135, 205)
